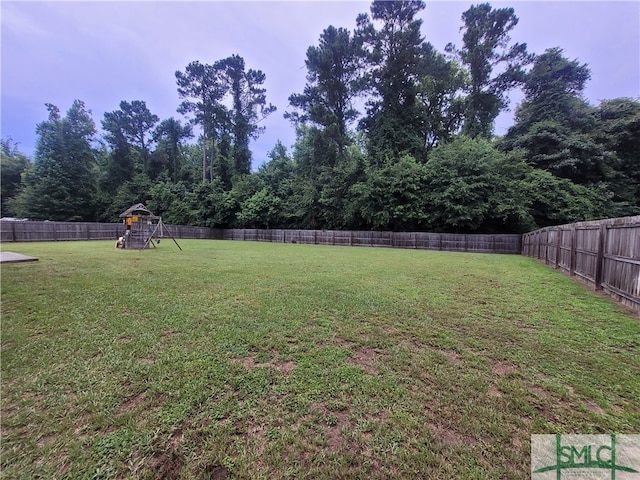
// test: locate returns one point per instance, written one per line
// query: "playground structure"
(142, 229)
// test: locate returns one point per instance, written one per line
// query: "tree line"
(390, 135)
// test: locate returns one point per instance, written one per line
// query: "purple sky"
(104, 52)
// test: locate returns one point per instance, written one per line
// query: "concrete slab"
(10, 257)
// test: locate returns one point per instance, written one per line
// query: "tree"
(554, 124)
(556, 201)
(171, 202)
(63, 183)
(133, 124)
(618, 132)
(169, 135)
(473, 187)
(277, 174)
(392, 196)
(135, 190)
(485, 48)
(553, 92)
(564, 152)
(12, 164)
(394, 53)
(324, 113)
(119, 166)
(213, 205)
(333, 74)
(249, 101)
(439, 97)
(203, 87)
(259, 211)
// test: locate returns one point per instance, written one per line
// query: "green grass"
(261, 361)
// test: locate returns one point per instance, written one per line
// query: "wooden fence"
(604, 254)
(12, 231)
(418, 240)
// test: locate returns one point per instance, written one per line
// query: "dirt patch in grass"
(134, 401)
(366, 358)
(341, 342)
(257, 433)
(335, 439)
(216, 472)
(35, 396)
(147, 361)
(46, 439)
(539, 391)
(453, 357)
(448, 436)
(594, 407)
(285, 367)
(166, 337)
(166, 461)
(361, 356)
(494, 392)
(335, 420)
(503, 369)
(166, 465)
(81, 425)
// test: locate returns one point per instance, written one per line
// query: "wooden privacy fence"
(603, 253)
(12, 231)
(27, 231)
(506, 243)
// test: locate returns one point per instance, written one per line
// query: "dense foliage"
(420, 155)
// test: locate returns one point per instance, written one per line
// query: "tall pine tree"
(63, 181)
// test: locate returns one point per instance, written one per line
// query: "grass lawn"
(264, 361)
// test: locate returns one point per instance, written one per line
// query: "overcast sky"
(105, 52)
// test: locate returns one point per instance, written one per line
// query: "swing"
(162, 227)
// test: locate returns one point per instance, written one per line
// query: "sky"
(103, 52)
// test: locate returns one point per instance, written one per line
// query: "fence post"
(546, 247)
(572, 252)
(602, 232)
(539, 244)
(558, 246)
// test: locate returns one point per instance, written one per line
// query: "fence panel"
(564, 249)
(184, 231)
(603, 253)
(419, 240)
(586, 252)
(28, 231)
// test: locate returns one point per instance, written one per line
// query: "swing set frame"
(160, 225)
